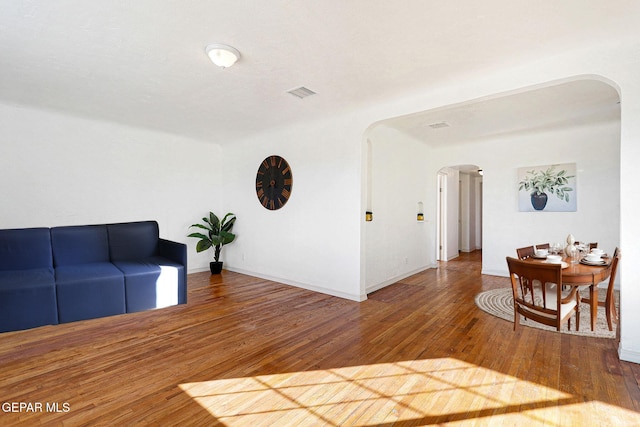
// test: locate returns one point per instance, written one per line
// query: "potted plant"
(540, 183)
(218, 234)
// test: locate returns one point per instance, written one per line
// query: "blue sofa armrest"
(176, 252)
(137, 250)
(173, 251)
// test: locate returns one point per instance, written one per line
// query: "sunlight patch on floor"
(422, 392)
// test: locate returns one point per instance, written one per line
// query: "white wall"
(598, 193)
(629, 208)
(397, 244)
(313, 241)
(61, 170)
(594, 149)
(397, 160)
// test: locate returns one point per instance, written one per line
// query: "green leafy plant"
(218, 233)
(549, 181)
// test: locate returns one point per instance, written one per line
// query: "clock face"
(273, 182)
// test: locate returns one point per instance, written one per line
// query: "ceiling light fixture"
(222, 55)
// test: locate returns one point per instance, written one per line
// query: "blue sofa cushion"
(23, 249)
(79, 244)
(27, 299)
(133, 240)
(36, 277)
(153, 282)
(87, 291)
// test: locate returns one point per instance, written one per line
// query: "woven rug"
(499, 302)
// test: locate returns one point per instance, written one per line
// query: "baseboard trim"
(197, 270)
(629, 355)
(378, 286)
(320, 289)
(500, 273)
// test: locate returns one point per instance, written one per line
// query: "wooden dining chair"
(592, 245)
(524, 253)
(528, 252)
(550, 276)
(609, 302)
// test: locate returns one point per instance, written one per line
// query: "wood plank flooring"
(250, 352)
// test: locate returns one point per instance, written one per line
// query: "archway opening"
(575, 120)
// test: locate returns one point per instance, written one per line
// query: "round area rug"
(499, 302)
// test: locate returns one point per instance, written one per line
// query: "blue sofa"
(64, 274)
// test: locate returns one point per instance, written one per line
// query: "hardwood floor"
(246, 351)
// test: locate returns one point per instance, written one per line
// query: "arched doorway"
(499, 133)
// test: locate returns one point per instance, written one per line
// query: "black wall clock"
(273, 182)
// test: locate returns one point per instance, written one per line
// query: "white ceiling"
(574, 103)
(142, 62)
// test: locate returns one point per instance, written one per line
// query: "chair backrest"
(526, 252)
(529, 251)
(612, 278)
(545, 273)
(530, 271)
(592, 245)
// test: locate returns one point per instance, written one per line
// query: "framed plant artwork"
(549, 188)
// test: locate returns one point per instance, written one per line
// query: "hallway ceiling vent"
(301, 92)
(439, 125)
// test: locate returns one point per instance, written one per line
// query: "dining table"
(580, 273)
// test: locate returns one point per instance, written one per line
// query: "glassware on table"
(575, 255)
(584, 249)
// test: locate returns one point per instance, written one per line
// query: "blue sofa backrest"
(133, 240)
(80, 244)
(25, 248)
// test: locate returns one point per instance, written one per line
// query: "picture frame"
(547, 188)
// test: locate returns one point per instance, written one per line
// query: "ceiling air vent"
(439, 125)
(301, 92)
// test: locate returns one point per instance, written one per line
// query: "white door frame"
(441, 240)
